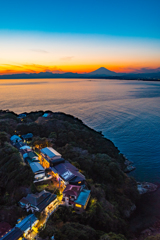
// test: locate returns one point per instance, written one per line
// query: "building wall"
(44, 162)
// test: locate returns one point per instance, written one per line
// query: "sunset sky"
(79, 36)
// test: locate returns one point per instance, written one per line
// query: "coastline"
(145, 219)
(86, 77)
(141, 220)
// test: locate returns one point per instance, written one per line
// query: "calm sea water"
(127, 112)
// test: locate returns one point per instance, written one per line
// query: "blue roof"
(22, 115)
(36, 167)
(14, 137)
(50, 152)
(45, 115)
(27, 222)
(83, 196)
(28, 135)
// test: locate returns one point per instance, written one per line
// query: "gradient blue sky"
(128, 20)
(134, 18)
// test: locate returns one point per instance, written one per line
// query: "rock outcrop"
(146, 187)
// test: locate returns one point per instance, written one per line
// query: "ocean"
(126, 111)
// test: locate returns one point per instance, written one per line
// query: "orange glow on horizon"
(35, 68)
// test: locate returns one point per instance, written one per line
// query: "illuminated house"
(70, 194)
(68, 173)
(49, 155)
(30, 156)
(15, 138)
(38, 170)
(27, 137)
(40, 202)
(81, 202)
(21, 229)
(77, 197)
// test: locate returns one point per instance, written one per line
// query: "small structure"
(45, 115)
(69, 174)
(81, 202)
(25, 147)
(21, 116)
(30, 156)
(21, 229)
(38, 170)
(70, 194)
(15, 139)
(19, 144)
(41, 202)
(27, 223)
(27, 137)
(49, 155)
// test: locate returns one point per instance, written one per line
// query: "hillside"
(113, 193)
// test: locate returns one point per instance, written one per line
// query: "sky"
(79, 36)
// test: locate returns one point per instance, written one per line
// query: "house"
(81, 202)
(21, 116)
(56, 161)
(38, 170)
(27, 223)
(70, 194)
(49, 155)
(27, 137)
(40, 202)
(19, 144)
(25, 147)
(21, 229)
(15, 139)
(47, 114)
(77, 197)
(30, 156)
(69, 174)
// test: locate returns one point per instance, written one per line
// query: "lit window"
(78, 205)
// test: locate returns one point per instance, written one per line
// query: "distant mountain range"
(99, 73)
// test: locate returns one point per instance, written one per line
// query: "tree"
(3, 138)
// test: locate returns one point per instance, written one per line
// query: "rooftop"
(83, 196)
(15, 137)
(28, 135)
(40, 200)
(72, 190)
(28, 221)
(69, 172)
(36, 167)
(50, 152)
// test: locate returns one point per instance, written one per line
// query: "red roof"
(72, 190)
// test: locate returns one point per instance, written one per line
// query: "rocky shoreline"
(129, 165)
(146, 187)
(142, 187)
